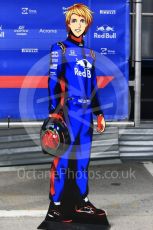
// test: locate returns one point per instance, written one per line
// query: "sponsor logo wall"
(27, 31)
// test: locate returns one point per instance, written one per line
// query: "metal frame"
(138, 64)
(137, 58)
(39, 123)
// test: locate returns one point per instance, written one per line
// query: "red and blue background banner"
(27, 31)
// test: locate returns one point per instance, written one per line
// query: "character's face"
(77, 25)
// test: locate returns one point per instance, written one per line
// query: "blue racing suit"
(73, 89)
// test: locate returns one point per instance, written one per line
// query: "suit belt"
(78, 100)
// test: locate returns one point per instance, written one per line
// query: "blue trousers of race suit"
(79, 120)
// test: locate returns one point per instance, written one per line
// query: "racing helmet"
(54, 137)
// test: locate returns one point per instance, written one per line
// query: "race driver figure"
(73, 99)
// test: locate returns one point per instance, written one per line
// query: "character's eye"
(83, 21)
(74, 20)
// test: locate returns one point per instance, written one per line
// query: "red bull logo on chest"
(86, 65)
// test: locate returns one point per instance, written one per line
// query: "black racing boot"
(89, 208)
(57, 213)
(87, 213)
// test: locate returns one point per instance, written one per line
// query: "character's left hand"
(100, 123)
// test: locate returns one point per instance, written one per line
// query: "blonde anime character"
(74, 99)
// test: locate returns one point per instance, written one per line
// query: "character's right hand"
(100, 123)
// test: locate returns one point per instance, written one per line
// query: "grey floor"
(124, 190)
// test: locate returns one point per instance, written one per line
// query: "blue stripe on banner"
(24, 103)
(22, 60)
